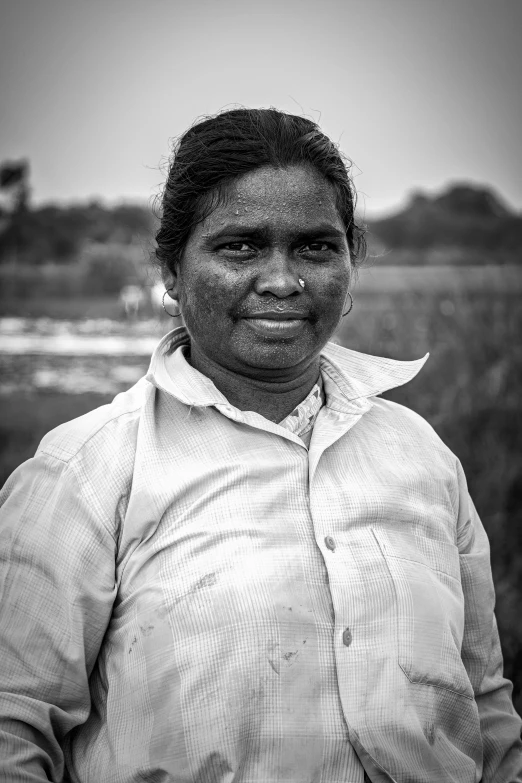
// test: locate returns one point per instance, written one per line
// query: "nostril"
(280, 283)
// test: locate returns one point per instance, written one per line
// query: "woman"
(249, 567)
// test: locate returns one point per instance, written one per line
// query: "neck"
(272, 399)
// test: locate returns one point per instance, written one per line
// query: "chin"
(276, 357)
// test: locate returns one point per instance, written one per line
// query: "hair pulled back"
(219, 149)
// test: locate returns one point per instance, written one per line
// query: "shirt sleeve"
(481, 651)
(57, 587)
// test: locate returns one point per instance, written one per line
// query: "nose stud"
(301, 282)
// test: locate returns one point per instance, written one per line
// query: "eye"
(236, 250)
(317, 246)
(236, 247)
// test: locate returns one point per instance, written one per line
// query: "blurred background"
(424, 98)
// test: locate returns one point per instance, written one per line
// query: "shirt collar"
(348, 375)
(359, 375)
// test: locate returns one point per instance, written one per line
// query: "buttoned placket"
(334, 421)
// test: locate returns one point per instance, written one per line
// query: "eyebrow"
(262, 232)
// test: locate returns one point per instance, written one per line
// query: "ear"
(171, 282)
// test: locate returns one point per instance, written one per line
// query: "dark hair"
(219, 149)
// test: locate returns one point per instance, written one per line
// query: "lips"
(278, 315)
(277, 323)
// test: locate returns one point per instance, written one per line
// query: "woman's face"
(238, 283)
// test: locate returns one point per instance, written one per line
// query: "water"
(74, 357)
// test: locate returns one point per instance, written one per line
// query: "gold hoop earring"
(172, 315)
(351, 305)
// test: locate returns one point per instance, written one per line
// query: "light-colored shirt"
(302, 419)
(191, 593)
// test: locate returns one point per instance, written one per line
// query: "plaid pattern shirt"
(189, 592)
(302, 419)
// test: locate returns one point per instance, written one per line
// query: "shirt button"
(347, 637)
(330, 543)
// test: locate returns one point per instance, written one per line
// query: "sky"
(418, 93)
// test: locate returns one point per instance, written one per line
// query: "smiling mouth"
(277, 324)
(279, 315)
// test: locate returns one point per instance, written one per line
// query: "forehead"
(295, 182)
(299, 194)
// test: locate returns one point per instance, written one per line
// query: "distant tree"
(14, 183)
(57, 234)
(464, 217)
(14, 190)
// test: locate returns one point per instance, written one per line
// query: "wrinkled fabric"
(190, 593)
(302, 419)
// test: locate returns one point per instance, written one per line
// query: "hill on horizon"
(463, 224)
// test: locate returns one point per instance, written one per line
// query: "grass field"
(469, 390)
(374, 279)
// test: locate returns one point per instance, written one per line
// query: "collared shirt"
(302, 419)
(191, 593)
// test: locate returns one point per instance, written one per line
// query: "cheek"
(210, 295)
(335, 288)
(329, 300)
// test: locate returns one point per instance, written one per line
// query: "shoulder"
(108, 430)
(402, 416)
(408, 428)
(81, 475)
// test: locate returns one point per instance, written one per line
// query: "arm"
(57, 587)
(481, 652)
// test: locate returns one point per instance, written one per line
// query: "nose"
(278, 276)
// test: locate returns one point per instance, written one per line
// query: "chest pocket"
(430, 608)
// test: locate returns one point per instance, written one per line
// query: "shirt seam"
(91, 436)
(73, 468)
